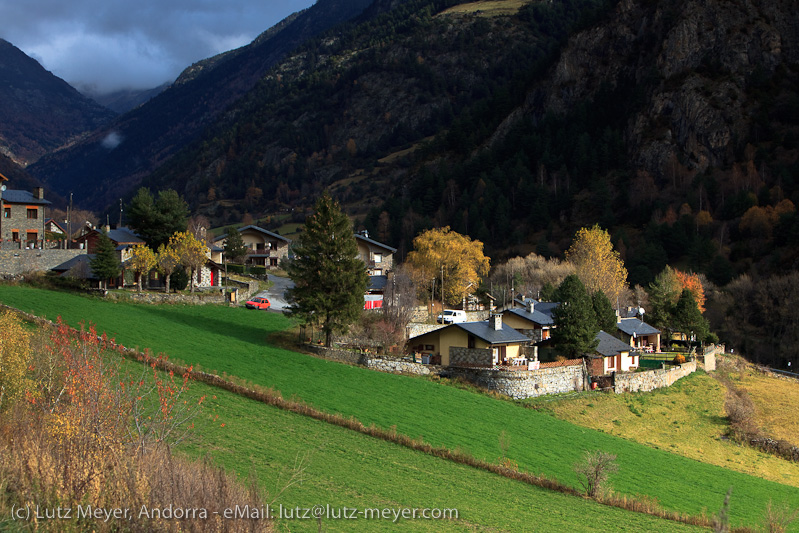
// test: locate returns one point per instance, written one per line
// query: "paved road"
(276, 293)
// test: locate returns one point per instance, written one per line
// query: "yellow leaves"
(442, 251)
(14, 359)
(598, 265)
(167, 259)
(142, 258)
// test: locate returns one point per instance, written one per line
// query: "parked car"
(451, 316)
(257, 303)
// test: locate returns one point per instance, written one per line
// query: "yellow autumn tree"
(14, 359)
(444, 253)
(168, 260)
(597, 264)
(142, 260)
(192, 252)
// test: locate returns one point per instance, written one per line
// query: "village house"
(612, 355)
(505, 343)
(264, 248)
(379, 261)
(639, 335)
(22, 224)
(534, 319)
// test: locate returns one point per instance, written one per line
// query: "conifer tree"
(688, 319)
(235, 249)
(604, 312)
(329, 277)
(105, 264)
(575, 322)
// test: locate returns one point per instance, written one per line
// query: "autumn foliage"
(85, 427)
(442, 253)
(598, 265)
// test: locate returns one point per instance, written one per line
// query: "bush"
(678, 359)
(258, 270)
(235, 269)
(179, 280)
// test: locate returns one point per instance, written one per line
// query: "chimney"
(530, 306)
(38, 193)
(496, 322)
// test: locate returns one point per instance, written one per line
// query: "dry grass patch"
(491, 8)
(775, 400)
(687, 419)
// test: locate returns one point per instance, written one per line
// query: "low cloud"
(111, 141)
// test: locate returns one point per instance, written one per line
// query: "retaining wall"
(520, 384)
(470, 356)
(652, 379)
(382, 364)
(16, 262)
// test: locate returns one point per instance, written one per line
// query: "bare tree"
(594, 471)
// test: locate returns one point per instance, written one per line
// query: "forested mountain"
(113, 160)
(40, 112)
(673, 124)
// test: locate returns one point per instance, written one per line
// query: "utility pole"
(69, 222)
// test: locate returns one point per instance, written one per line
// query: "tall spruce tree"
(235, 249)
(575, 322)
(688, 319)
(329, 277)
(157, 219)
(105, 264)
(604, 312)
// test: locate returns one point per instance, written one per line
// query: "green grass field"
(344, 468)
(234, 341)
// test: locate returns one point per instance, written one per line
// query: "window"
(15, 235)
(611, 362)
(7, 212)
(470, 342)
(32, 236)
(33, 213)
(377, 272)
(378, 258)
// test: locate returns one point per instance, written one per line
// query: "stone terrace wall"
(415, 328)
(15, 262)
(382, 364)
(652, 379)
(520, 384)
(470, 356)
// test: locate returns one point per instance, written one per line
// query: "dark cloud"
(113, 45)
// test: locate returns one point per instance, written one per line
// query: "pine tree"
(105, 264)
(575, 322)
(156, 220)
(604, 312)
(235, 249)
(688, 319)
(329, 277)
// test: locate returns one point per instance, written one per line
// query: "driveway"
(277, 292)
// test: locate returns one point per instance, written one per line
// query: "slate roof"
(610, 345)
(636, 326)
(124, 236)
(377, 283)
(544, 307)
(537, 317)
(259, 230)
(66, 266)
(12, 196)
(375, 243)
(483, 330)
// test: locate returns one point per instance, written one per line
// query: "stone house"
(22, 223)
(501, 342)
(264, 248)
(378, 257)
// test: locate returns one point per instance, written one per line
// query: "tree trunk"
(167, 284)
(191, 284)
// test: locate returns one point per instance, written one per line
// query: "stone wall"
(16, 262)
(380, 363)
(415, 328)
(527, 383)
(652, 379)
(201, 297)
(470, 356)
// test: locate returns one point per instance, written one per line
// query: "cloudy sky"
(113, 44)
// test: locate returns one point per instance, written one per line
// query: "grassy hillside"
(234, 341)
(343, 468)
(687, 418)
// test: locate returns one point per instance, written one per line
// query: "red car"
(257, 303)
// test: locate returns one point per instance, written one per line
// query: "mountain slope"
(113, 160)
(40, 112)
